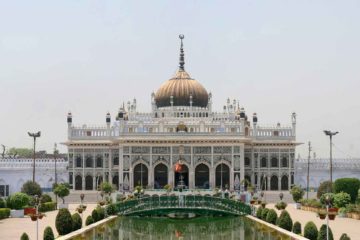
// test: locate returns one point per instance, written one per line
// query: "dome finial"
(182, 59)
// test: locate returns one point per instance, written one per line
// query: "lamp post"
(330, 134)
(55, 152)
(34, 136)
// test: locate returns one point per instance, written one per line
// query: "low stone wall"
(85, 229)
(292, 235)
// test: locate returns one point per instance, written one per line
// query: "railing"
(192, 202)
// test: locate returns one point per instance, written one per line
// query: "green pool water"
(209, 228)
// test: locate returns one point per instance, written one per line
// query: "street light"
(330, 134)
(34, 136)
(55, 152)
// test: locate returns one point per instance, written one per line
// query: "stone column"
(212, 169)
(121, 168)
(83, 171)
(279, 171)
(110, 166)
(73, 167)
(151, 171)
(191, 172)
(93, 170)
(171, 171)
(242, 162)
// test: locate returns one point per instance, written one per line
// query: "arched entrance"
(115, 181)
(202, 176)
(88, 182)
(140, 175)
(160, 176)
(274, 183)
(284, 183)
(263, 183)
(222, 176)
(184, 175)
(98, 181)
(78, 182)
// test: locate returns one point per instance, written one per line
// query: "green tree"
(342, 199)
(284, 221)
(63, 221)
(264, 214)
(347, 185)
(106, 187)
(77, 221)
(24, 236)
(48, 234)
(324, 187)
(20, 152)
(62, 190)
(322, 233)
(297, 193)
(271, 216)
(31, 188)
(18, 200)
(297, 228)
(310, 231)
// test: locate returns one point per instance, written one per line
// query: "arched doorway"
(88, 182)
(263, 183)
(274, 183)
(115, 181)
(184, 175)
(202, 176)
(78, 182)
(160, 176)
(284, 183)
(140, 175)
(222, 176)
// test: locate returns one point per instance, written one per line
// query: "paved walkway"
(12, 228)
(338, 226)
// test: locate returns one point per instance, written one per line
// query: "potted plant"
(297, 193)
(62, 190)
(322, 213)
(332, 215)
(17, 203)
(280, 205)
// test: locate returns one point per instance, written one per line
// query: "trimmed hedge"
(348, 185)
(89, 220)
(45, 198)
(322, 233)
(284, 221)
(297, 228)
(344, 236)
(4, 213)
(110, 209)
(258, 212)
(63, 221)
(310, 231)
(48, 234)
(76, 221)
(24, 236)
(18, 200)
(264, 213)
(271, 216)
(48, 206)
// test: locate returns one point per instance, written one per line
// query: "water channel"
(207, 228)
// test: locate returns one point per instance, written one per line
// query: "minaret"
(108, 122)
(242, 119)
(293, 120)
(182, 55)
(255, 119)
(69, 122)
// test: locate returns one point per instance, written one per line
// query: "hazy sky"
(275, 57)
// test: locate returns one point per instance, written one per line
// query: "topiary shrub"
(2, 203)
(95, 215)
(258, 212)
(101, 212)
(48, 234)
(324, 187)
(322, 233)
(62, 190)
(18, 200)
(63, 221)
(31, 188)
(310, 231)
(110, 209)
(89, 220)
(323, 198)
(271, 216)
(284, 221)
(264, 213)
(24, 236)
(76, 221)
(45, 198)
(347, 185)
(297, 193)
(49, 206)
(297, 228)
(344, 236)
(341, 199)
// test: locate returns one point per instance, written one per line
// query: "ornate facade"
(214, 149)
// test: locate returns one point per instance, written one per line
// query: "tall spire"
(181, 59)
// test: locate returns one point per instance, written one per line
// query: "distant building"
(182, 142)
(14, 172)
(320, 170)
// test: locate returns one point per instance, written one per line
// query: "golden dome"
(181, 87)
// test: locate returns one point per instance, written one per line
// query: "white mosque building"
(182, 142)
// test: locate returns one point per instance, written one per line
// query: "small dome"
(181, 87)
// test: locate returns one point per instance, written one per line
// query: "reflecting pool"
(214, 228)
